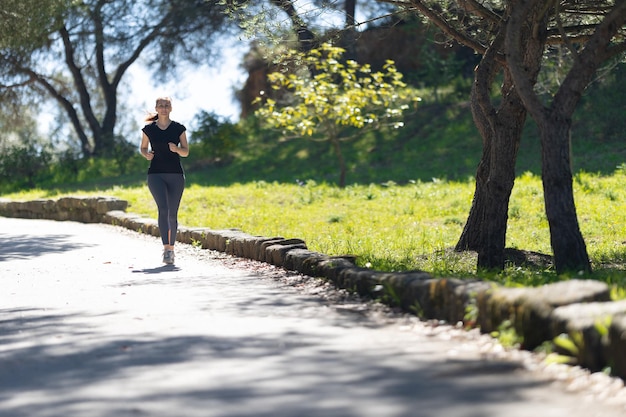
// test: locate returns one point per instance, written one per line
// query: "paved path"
(91, 325)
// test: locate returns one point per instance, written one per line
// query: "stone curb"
(580, 309)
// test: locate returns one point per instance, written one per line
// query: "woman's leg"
(175, 188)
(158, 189)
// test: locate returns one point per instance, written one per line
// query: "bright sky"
(209, 89)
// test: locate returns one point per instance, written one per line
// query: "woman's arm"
(144, 147)
(183, 148)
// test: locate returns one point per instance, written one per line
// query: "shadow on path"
(157, 270)
(30, 246)
(289, 373)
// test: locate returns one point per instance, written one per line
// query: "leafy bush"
(216, 135)
(24, 165)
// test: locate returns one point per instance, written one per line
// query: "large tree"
(594, 32)
(90, 47)
(512, 36)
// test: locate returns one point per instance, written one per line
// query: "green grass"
(403, 227)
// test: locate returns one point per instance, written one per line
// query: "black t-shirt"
(164, 161)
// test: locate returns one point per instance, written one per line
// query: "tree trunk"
(349, 34)
(482, 110)
(568, 245)
(498, 189)
(470, 237)
(104, 138)
(501, 129)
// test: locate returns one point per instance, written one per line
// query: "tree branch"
(513, 51)
(442, 24)
(472, 6)
(561, 29)
(79, 81)
(65, 103)
(597, 50)
(305, 36)
(143, 44)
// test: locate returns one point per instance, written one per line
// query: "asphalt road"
(92, 325)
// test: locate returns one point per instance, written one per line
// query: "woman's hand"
(173, 147)
(183, 149)
(147, 153)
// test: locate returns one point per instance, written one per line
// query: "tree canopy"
(26, 23)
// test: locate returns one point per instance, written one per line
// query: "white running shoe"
(168, 257)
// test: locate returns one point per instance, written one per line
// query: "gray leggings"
(167, 190)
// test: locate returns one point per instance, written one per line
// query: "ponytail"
(151, 117)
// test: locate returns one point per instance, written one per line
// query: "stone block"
(219, 240)
(36, 206)
(589, 323)
(106, 204)
(199, 235)
(276, 254)
(529, 310)
(330, 268)
(617, 345)
(259, 244)
(113, 217)
(363, 281)
(267, 256)
(397, 285)
(235, 239)
(252, 247)
(303, 259)
(453, 296)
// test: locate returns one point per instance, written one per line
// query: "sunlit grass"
(402, 227)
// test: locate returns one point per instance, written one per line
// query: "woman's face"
(163, 107)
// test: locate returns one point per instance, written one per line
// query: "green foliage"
(24, 165)
(439, 72)
(470, 317)
(602, 326)
(571, 343)
(569, 346)
(328, 93)
(327, 99)
(124, 153)
(218, 137)
(507, 336)
(387, 294)
(28, 23)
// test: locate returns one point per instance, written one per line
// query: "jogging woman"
(163, 142)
